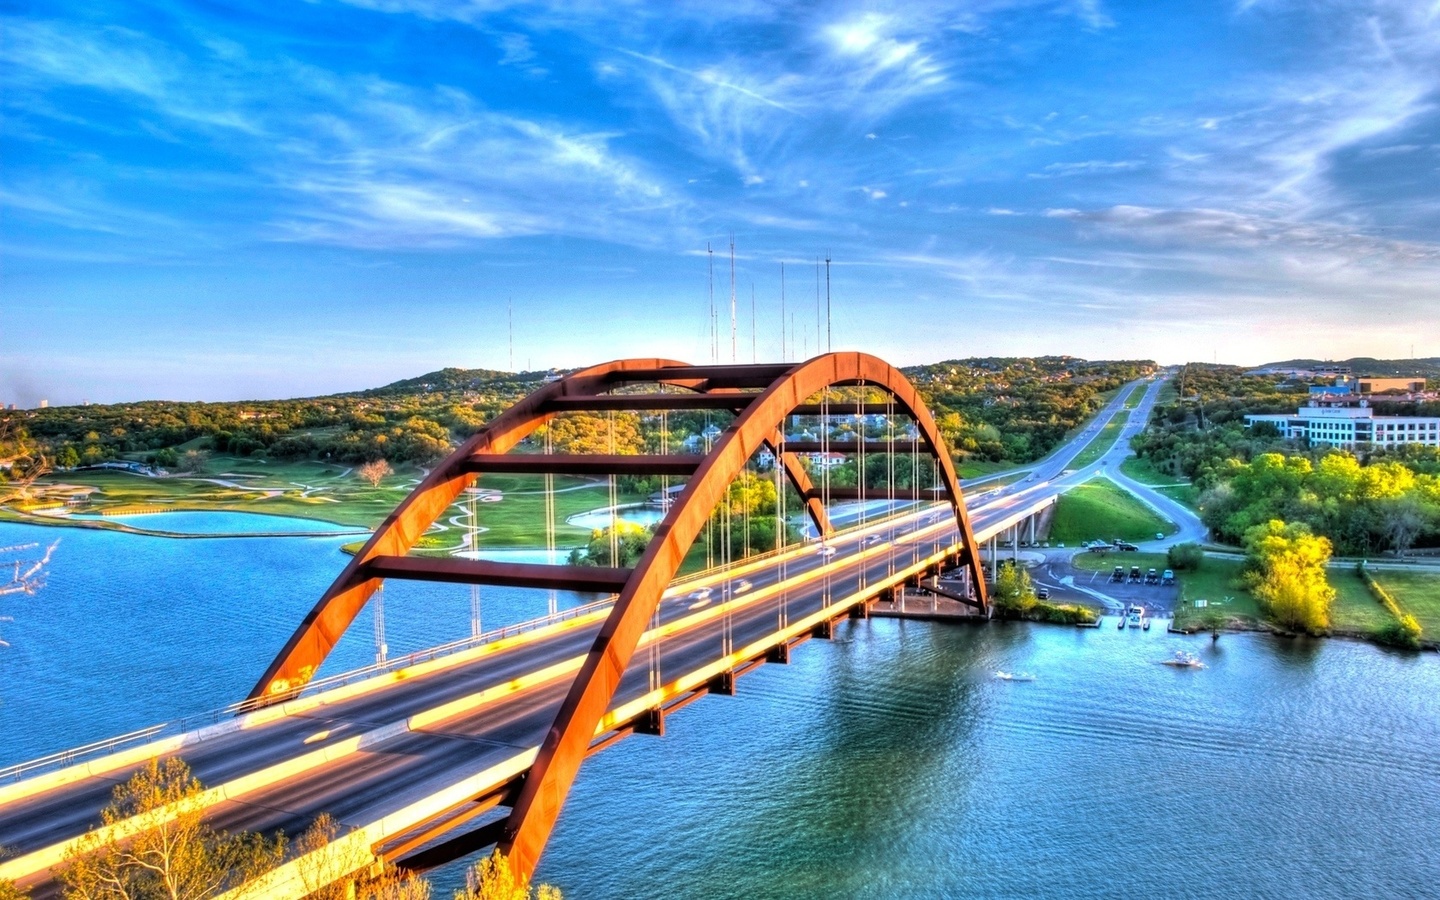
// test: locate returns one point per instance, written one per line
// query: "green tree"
(1185, 557)
(629, 542)
(1287, 572)
(172, 854)
(1013, 594)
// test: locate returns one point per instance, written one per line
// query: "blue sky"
(219, 201)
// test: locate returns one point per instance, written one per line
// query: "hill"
(1428, 367)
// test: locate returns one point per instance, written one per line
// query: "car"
(1152, 577)
(1135, 575)
(703, 593)
(873, 539)
(1042, 593)
(1126, 545)
(826, 551)
(1167, 577)
(741, 586)
(1118, 574)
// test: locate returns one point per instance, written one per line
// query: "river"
(888, 763)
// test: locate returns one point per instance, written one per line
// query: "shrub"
(1185, 557)
(1062, 613)
(1401, 632)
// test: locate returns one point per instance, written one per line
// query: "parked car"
(1167, 577)
(1118, 574)
(1042, 593)
(1152, 577)
(1135, 575)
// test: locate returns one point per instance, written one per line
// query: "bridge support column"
(780, 653)
(994, 560)
(651, 722)
(1015, 543)
(1032, 529)
(724, 683)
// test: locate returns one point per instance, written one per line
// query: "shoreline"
(10, 515)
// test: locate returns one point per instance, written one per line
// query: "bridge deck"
(386, 760)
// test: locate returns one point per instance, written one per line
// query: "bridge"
(477, 744)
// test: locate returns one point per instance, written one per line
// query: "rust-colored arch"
(545, 787)
(327, 621)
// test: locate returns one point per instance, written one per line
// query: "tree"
(1014, 594)
(1185, 557)
(1404, 518)
(374, 471)
(171, 853)
(8, 891)
(493, 879)
(1287, 573)
(629, 539)
(22, 461)
(194, 461)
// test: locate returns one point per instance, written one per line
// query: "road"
(367, 758)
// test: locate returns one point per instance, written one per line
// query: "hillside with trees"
(996, 410)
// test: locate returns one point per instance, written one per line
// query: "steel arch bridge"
(762, 398)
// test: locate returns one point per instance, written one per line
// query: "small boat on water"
(1183, 659)
(1014, 676)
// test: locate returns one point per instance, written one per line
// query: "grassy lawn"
(1101, 443)
(1418, 594)
(1142, 471)
(1217, 581)
(1355, 608)
(332, 493)
(1100, 509)
(1176, 488)
(978, 468)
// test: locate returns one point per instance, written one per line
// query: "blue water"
(220, 522)
(890, 763)
(134, 630)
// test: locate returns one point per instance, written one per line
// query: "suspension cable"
(554, 598)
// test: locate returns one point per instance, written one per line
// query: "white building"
(1350, 426)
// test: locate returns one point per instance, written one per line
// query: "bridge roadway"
(385, 760)
(490, 712)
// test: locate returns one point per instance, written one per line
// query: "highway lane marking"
(254, 781)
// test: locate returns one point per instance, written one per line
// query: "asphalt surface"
(364, 786)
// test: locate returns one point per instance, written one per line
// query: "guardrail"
(191, 722)
(68, 757)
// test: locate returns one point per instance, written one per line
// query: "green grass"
(1099, 509)
(978, 468)
(1355, 610)
(1101, 443)
(332, 493)
(1144, 472)
(1177, 489)
(1418, 594)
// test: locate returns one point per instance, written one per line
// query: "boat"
(1014, 676)
(1137, 616)
(1184, 659)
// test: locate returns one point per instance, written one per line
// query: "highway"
(383, 758)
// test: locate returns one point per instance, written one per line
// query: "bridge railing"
(96, 749)
(64, 758)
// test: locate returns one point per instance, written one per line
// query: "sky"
(218, 200)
